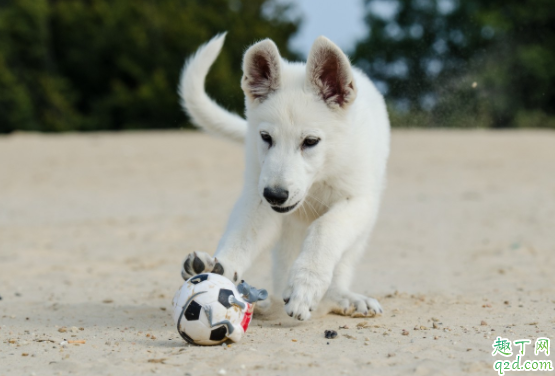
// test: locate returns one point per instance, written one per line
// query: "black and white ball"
(208, 310)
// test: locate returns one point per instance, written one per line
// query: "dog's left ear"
(261, 70)
(329, 74)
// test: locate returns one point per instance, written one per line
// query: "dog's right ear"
(261, 70)
(329, 74)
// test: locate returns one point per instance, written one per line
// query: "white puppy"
(317, 143)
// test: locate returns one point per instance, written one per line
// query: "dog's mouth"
(281, 209)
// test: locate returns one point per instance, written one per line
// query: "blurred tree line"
(110, 65)
(463, 63)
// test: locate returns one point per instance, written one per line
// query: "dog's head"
(295, 113)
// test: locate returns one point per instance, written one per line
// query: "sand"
(93, 228)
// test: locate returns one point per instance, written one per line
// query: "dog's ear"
(261, 70)
(329, 74)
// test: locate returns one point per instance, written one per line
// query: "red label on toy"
(248, 316)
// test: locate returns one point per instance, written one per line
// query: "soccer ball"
(208, 309)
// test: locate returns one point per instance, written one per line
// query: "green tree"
(110, 65)
(33, 96)
(463, 63)
(519, 69)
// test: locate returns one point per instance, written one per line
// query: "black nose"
(275, 196)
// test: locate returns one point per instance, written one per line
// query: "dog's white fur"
(337, 183)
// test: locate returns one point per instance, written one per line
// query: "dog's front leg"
(252, 227)
(328, 238)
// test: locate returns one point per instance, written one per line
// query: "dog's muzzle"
(281, 209)
(276, 196)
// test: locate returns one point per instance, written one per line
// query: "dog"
(317, 143)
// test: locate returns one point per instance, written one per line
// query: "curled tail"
(204, 112)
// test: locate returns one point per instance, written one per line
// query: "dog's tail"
(204, 112)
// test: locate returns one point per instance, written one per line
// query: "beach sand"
(93, 228)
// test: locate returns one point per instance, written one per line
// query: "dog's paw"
(355, 305)
(200, 262)
(302, 295)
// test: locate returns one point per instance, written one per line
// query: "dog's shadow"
(111, 319)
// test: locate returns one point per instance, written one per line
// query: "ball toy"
(209, 309)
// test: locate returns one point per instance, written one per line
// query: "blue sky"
(342, 21)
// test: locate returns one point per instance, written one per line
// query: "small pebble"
(222, 372)
(483, 323)
(330, 334)
(405, 332)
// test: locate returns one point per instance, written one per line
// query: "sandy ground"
(93, 229)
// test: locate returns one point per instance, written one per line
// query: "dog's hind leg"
(286, 251)
(339, 297)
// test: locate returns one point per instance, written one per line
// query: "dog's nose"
(275, 196)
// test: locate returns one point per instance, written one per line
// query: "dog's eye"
(266, 138)
(310, 142)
